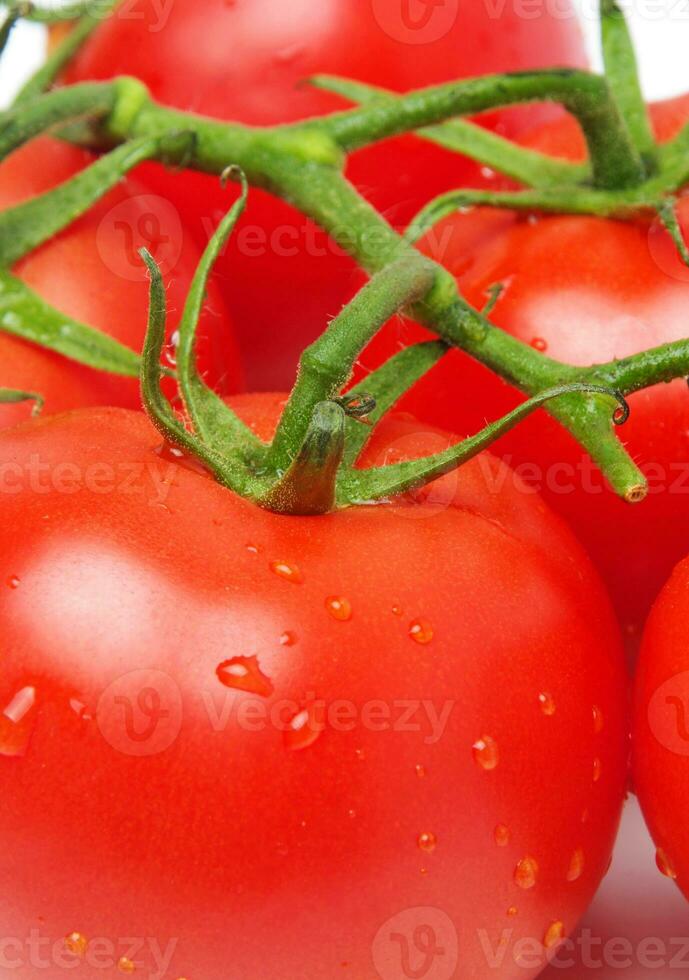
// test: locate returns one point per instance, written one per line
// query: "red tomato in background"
(244, 61)
(661, 732)
(585, 290)
(217, 724)
(93, 273)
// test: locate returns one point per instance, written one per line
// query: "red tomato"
(295, 747)
(244, 61)
(93, 273)
(661, 732)
(585, 290)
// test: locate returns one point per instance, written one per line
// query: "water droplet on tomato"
(597, 770)
(76, 943)
(547, 703)
(290, 573)
(351, 814)
(420, 771)
(303, 729)
(252, 549)
(244, 674)
(554, 935)
(585, 815)
(288, 638)
(396, 610)
(598, 720)
(539, 344)
(665, 865)
(13, 582)
(80, 709)
(502, 835)
(526, 873)
(421, 631)
(339, 608)
(427, 842)
(125, 965)
(17, 723)
(173, 454)
(512, 911)
(360, 754)
(486, 753)
(576, 865)
(288, 55)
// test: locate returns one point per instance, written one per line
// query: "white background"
(635, 902)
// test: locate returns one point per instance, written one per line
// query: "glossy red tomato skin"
(276, 860)
(586, 290)
(184, 59)
(661, 752)
(92, 272)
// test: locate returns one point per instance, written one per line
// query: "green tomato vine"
(310, 467)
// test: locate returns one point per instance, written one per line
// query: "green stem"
(10, 396)
(13, 14)
(24, 314)
(461, 136)
(156, 403)
(622, 72)
(325, 367)
(214, 421)
(58, 60)
(24, 227)
(94, 100)
(64, 12)
(564, 200)
(614, 159)
(668, 216)
(651, 367)
(366, 486)
(308, 487)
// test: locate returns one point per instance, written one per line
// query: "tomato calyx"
(310, 466)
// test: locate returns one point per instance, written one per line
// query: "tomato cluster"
(390, 741)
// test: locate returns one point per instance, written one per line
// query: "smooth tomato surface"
(584, 290)
(246, 61)
(661, 727)
(381, 741)
(93, 273)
